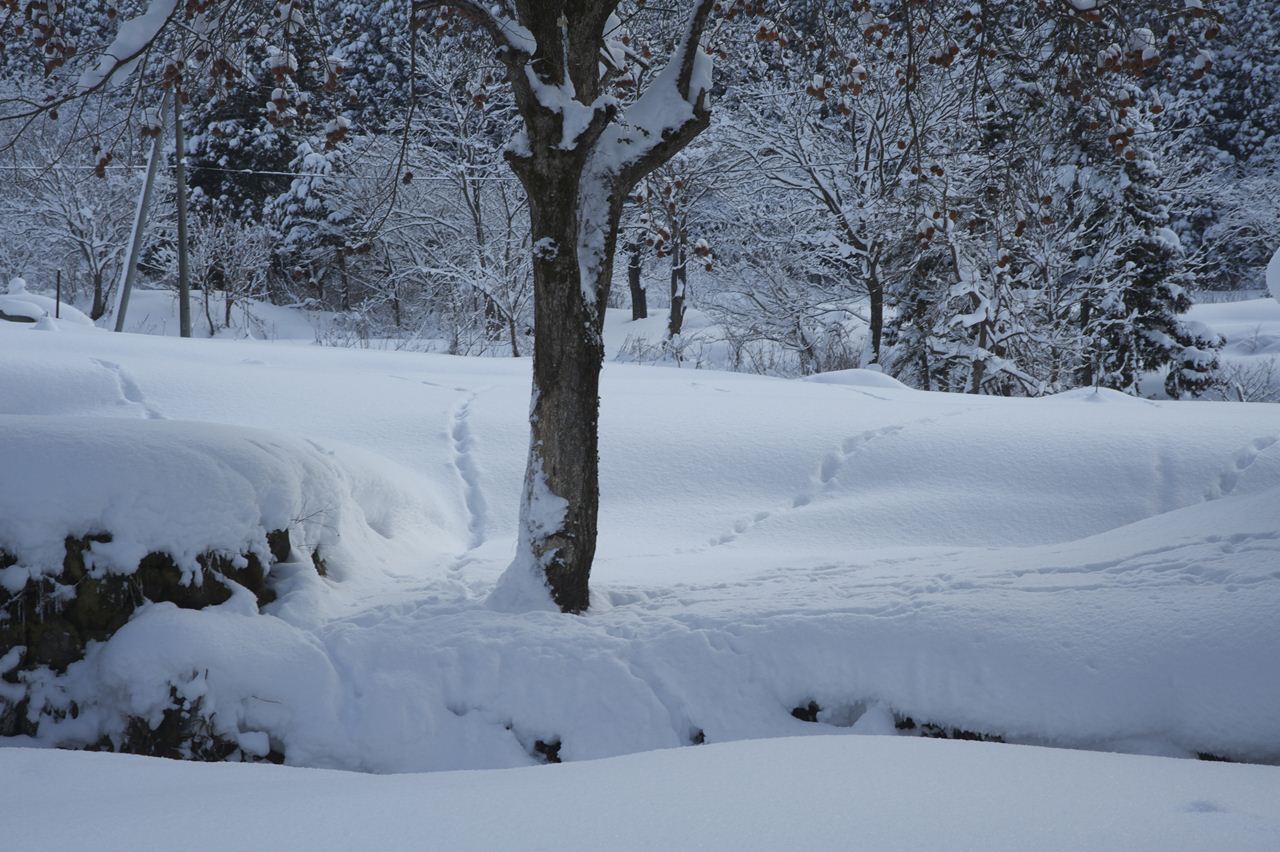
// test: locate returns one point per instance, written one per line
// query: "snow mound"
(187, 488)
(861, 378)
(33, 306)
(1108, 396)
(19, 310)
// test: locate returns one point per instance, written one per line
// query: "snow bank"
(1251, 327)
(188, 488)
(860, 378)
(36, 306)
(819, 793)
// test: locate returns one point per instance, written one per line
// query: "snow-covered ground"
(811, 793)
(1089, 570)
(156, 312)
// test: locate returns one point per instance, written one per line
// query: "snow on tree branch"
(131, 43)
(671, 111)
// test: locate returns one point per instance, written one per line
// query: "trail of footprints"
(828, 470)
(130, 392)
(1243, 459)
(463, 441)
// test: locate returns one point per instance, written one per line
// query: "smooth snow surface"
(156, 312)
(815, 793)
(1087, 570)
(857, 378)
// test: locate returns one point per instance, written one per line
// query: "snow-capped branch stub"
(576, 116)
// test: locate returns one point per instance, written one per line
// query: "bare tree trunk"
(639, 296)
(807, 352)
(208, 313)
(562, 498)
(875, 291)
(1086, 355)
(345, 275)
(979, 367)
(99, 297)
(679, 279)
(575, 204)
(514, 334)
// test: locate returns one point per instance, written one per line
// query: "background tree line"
(888, 183)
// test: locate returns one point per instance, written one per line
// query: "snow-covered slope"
(816, 793)
(156, 312)
(1088, 570)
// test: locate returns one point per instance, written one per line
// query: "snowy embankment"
(816, 793)
(1089, 570)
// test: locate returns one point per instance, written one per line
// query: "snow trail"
(130, 392)
(1242, 460)
(829, 469)
(464, 462)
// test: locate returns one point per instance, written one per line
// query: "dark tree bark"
(875, 291)
(1086, 355)
(679, 278)
(99, 297)
(576, 175)
(639, 296)
(345, 276)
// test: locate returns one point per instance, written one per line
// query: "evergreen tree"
(1137, 328)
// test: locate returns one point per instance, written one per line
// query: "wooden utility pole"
(130, 271)
(180, 185)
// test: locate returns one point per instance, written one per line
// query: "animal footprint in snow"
(1243, 459)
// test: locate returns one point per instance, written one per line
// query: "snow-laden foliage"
(948, 190)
